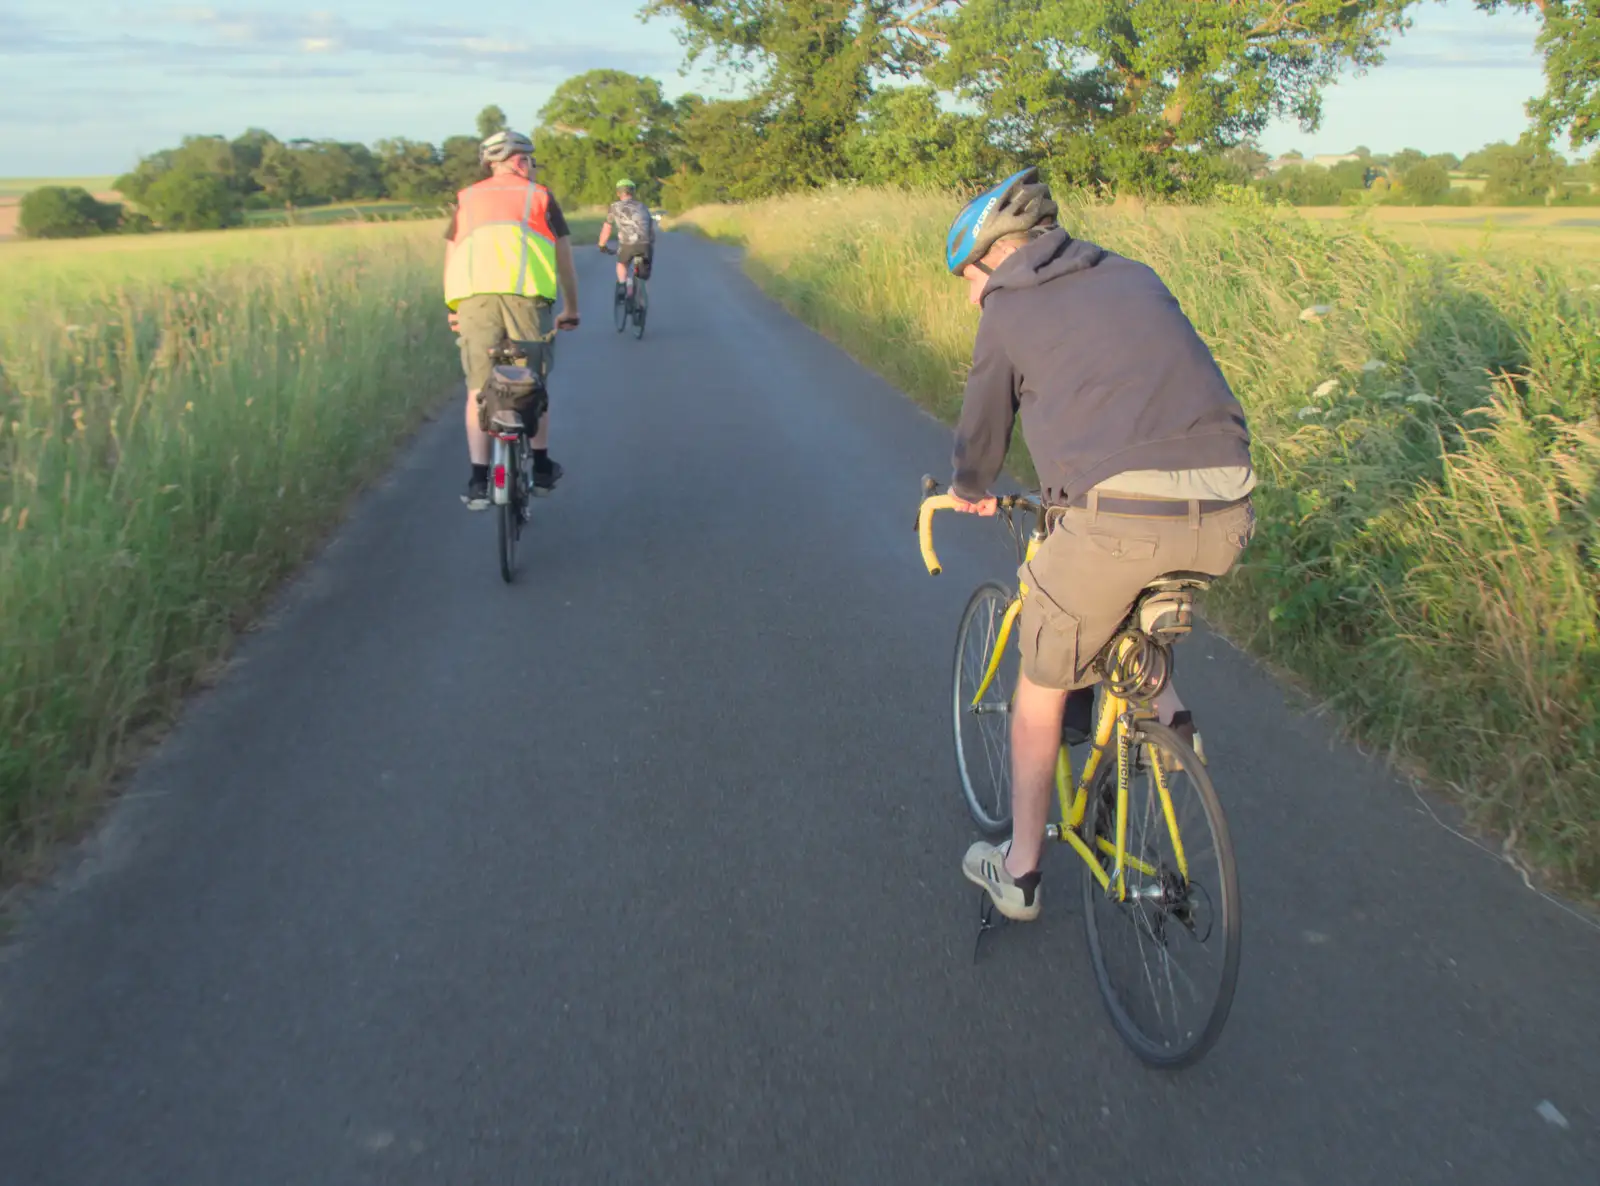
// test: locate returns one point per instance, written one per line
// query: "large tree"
(907, 138)
(599, 126)
(811, 64)
(491, 120)
(718, 153)
(1569, 39)
(1144, 93)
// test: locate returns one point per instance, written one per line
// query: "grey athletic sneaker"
(985, 866)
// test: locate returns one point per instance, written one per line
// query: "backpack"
(633, 222)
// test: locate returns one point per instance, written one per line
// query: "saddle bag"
(512, 390)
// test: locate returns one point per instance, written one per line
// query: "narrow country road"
(645, 870)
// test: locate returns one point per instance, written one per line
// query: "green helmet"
(625, 183)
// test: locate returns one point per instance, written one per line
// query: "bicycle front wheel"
(641, 305)
(1165, 954)
(983, 724)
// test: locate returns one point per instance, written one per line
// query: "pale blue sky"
(91, 84)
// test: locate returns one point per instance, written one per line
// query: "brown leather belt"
(1158, 508)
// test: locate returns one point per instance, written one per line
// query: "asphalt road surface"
(646, 869)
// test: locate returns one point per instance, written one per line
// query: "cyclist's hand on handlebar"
(455, 322)
(984, 506)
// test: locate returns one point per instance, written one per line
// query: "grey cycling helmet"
(503, 146)
(1014, 208)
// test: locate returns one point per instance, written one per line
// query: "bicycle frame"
(1115, 724)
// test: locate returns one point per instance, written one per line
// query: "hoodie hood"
(1051, 255)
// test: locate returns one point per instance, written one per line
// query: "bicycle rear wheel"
(509, 527)
(619, 310)
(508, 541)
(983, 730)
(641, 305)
(1166, 959)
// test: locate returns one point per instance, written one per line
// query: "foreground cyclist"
(1142, 451)
(636, 231)
(508, 255)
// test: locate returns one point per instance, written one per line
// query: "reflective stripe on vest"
(503, 242)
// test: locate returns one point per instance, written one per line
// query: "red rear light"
(499, 477)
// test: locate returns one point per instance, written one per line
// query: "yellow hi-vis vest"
(503, 242)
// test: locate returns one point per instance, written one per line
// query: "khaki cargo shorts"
(484, 320)
(1088, 573)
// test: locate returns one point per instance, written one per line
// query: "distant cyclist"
(507, 258)
(636, 232)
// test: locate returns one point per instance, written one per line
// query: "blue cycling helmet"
(1014, 207)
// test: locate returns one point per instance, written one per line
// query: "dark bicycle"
(511, 406)
(632, 301)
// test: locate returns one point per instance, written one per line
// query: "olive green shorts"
(1086, 576)
(485, 320)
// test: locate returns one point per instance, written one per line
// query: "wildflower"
(1308, 412)
(1326, 387)
(1315, 312)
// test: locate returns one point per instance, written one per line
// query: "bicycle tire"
(507, 532)
(641, 306)
(986, 789)
(510, 519)
(1216, 904)
(619, 311)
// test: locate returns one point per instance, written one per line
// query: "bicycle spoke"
(1167, 996)
(982, 730)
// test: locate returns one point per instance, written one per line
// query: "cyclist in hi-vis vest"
(507, 257)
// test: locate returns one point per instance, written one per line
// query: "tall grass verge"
(1426, 430)
(177, 431)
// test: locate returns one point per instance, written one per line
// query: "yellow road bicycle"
(1160, 889)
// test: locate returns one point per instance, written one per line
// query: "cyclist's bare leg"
(622, 273)
(541, 439)
(477, 439)
(1035, 742)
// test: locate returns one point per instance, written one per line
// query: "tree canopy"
(1569, 40)
(603, 125)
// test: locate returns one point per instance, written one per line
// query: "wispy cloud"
(183, 37)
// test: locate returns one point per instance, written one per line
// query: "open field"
(15, 187)
(1550, 233)
(185, 415)
(382, 211)
(1425, 427)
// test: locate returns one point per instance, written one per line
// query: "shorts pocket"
(1050, 637)
(1121, 547)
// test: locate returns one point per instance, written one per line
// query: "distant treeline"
(1501, 174)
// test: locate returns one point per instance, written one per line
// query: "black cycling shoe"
(477, 495)
(1077, 720)
(544, 480)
